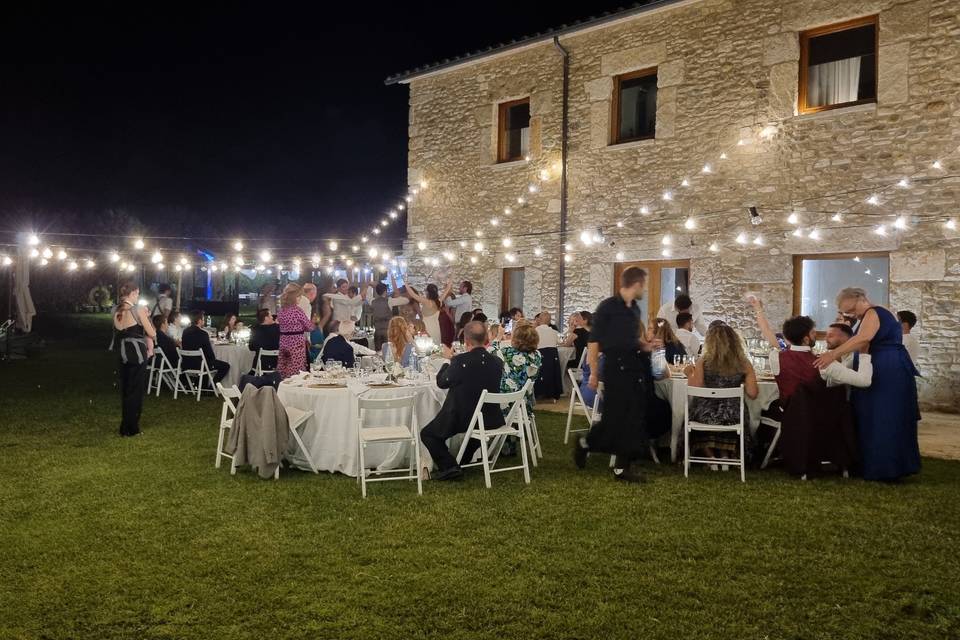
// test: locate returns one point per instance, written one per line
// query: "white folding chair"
(200, 373)
(576, 377)
(688, 427)
(515, 424)
(163, 373)
(230, 397)
(405, 432)
(265, 352)
(297, 418)
(776, 426)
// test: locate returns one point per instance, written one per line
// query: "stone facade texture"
(727, 70)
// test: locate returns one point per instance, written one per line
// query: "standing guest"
(430, 308)
(265, 335)
(346, 307)
(164, 341)
(724, 365)
(229, 324)
(164, 304)
(132, 330)
(293, 324)
(465, 318)
(887, 412)
(399, 342)
(627, 375)
(661, 330)
(521, 362)
(195, 338)
(268, 298)
(466, 376)
(908, 320)
(381, 313)
(308, 294)
(463, 301)
(689, 340)
(683, 304)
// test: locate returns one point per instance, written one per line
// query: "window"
(634, 106)
(666, 279)
(817, 279)
(514, 130)
(512, 290)
(838, 65)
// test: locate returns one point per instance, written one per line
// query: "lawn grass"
(104, 537)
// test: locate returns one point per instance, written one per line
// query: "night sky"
(263, 120)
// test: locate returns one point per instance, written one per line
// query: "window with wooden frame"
(513, 137)
(511, 293)
(666, 279)
(634, 113)
(838, 65)
(818, 278)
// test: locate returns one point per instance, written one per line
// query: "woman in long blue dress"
(887, 411)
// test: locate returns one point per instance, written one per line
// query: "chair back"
(193, 353)
(516, 401)
(231, 398)
(715, 394)
(407, 404)
(270, 352)
(583, 358)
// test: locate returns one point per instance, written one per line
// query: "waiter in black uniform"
(627, 378)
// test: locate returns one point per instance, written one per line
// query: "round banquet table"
(238, 356)
(674, 391)
(330, 435)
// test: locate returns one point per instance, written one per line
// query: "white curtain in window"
(525, 141)
(833, 82)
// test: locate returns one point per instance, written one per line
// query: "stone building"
(839, 122)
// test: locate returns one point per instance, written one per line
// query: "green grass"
(103, 537)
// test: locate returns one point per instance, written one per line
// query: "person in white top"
(548, 336)
(346, 307)
(430, 307)
(690, 341)
(463, 301)
(908, 320)
(683, 304)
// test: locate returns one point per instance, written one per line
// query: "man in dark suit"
(194, 338)
(466, 376)
(266, 335)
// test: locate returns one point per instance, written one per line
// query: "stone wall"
(727, 71)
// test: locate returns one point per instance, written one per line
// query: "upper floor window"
(838, 65)
(514, 130)
(634, 106)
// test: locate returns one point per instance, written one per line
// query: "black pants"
(219, 370)
(434, 438)
(133, 387)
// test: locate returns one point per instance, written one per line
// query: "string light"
(47, 253)
(510, 257)
(422, 245)
(376, 232)
(72, 266)
(645, 210)
(814, 235)
(333, 245)
(619, 256)
(33, 240)
(392, 214)
(904, 183)
(706, 169)
(714, 248)
(463, 244)
(363, 239)
(532, 188)
(90, 264)
(159, 266)
(238, 246)
(156, 258)
(758, 241)
(667, 196)
(874, 200)
(666, 253)
(793, 218)
(507, 242)
(537, 251)
(837, 217)
(265, 256)
(619, 224)
(130, 268)
(881, 230)
(544, 175)
(373, 252)
(138, 244)
(723, 156)
(507, 211)
(567, 257)
(936, 165)
(494, 221)
(521, 200)
(951, 224)
(44, 262)
(478, 246)
(61, 255)
(478, 233)
(900, 223)
(34, 252)
(7, 261)
(689, 224)
(742, 238)
(684, 183)
(666, 241)
(568, 247)
(797, 233)
(473, 259)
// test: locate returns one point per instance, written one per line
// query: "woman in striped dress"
(294, 324)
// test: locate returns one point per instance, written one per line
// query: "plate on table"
(326, 385)
(380, 385)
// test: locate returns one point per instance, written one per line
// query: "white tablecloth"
(566, 355)
(330, 434)
(240, 359)
(674, 391)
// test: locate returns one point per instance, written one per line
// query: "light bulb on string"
(537, 251)
(666, 240)
(494, 221)
(507, 211)
(793, 218)
(473, 259)
(532, 188)
(667, 196)
(401, 207)
(422, 245)
(510, 257)
(478, 246)
(333, 245)
(521, 200)
(874, 200)
(666, 253)
(354, 248)
(814, 234)
(507, 242)
(936, 165)
(33, 240)
(463, 244)
(138, 244)
(423, 184)
(238, 261)
(34, 253)
(903, 183)
(90, 264)
(114, 257)
(742, 238)
(723, 156)
(265, 256)
(644, 210)
(706, 169)
(130, 268)
(797, 233)
(44, 262)
(409, 198)
(900, 223)
(72, 266)
(619, 256)
(238, 246)
(837, 217)
(156, 258)
(478, 233)
(950, 224)
(159, 266)
(758, 240)
(881, 230)
(61, 255)
(714, 248)
(393, 215)
(586, 238)
(376, 232)
(373, 252)
(684, 183)
(213, 268)
(619, 224)
(690, 224)
(363, 239)
(567, 257)
(178, 268)
(47, 253)
(384, 222)
(568, 247)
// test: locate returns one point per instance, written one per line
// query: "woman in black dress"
(134, 335)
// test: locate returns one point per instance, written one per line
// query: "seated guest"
(465, 318)
(265, 335)
(195, 338)
(399, 344)
(578, 334)
(589, 395)
(550, 382)
(164, 341)
(466, 376)
(908, 320)
(689, 340)
(521, 362)
(347, 331)
(316, 338)
(335, 346)
(229, 325)
(175, 325)
(480, 317)
(724, 365)
(854, 369)
(516, 314)
(683, 304)
(662, 331)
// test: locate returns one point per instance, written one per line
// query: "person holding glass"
(133, 333)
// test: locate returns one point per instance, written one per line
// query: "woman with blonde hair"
(293, 325)
(724, 365)
(887, 411)
(399, 341)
